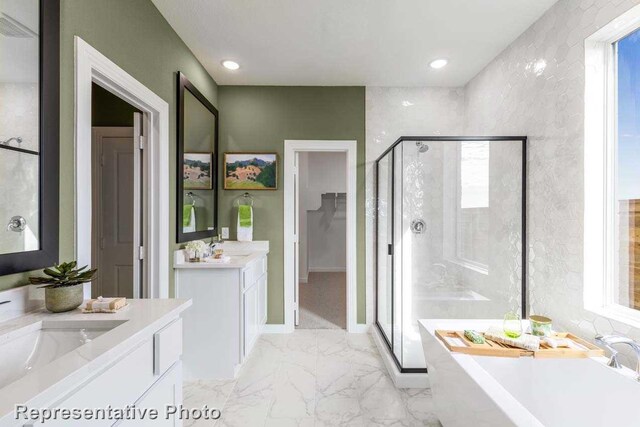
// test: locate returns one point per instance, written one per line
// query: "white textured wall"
(535, 87)
(19, 171)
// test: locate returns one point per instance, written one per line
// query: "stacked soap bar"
(527, 342)
(104, 305)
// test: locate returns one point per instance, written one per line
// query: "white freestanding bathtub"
(494, 391)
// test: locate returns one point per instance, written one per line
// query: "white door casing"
(93, 67)
(296, 238)
(140, 286)
(291, 148)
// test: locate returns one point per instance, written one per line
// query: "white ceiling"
(349, 42)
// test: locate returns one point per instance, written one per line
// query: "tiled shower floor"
(312, 378)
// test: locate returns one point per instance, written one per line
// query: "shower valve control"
(17, 224)
(418, 226)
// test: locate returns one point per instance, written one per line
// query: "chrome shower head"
(422, 147)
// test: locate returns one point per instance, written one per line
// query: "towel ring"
(245, 199)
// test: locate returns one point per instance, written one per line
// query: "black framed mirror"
(197, 164)
(29, 134)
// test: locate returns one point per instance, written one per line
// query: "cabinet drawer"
(120, 385)
(167, 346)
(253, 272)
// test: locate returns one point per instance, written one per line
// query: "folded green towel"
(186, 215)
(244, 214)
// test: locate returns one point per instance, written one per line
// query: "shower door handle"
(390, 249)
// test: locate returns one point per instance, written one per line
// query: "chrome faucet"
(608, 341)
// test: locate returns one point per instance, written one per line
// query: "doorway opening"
(153, 136)
(320, 271)
(322, 249)
(117, 194)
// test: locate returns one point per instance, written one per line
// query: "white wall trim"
(290, 149)
(360, 328)
(93, 67)
(275, 329)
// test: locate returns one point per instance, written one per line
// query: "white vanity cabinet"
(229, 309)
(135, 360)
(136, 379)
(254, 303)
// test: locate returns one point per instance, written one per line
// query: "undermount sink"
(41, 343)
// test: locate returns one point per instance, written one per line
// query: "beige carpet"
(323, 301)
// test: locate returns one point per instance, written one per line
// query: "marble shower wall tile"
(19, 172)
(535, 87)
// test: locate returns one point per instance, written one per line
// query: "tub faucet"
(609, 340)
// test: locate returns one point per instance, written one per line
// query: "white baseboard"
(359, 328)
(399, 379)
(327, 269)
(303, 279)
(275, 329)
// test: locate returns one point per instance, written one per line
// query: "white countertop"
(140, 319)
(239, 260)
(242, 254)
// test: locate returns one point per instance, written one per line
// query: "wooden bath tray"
(456, 342)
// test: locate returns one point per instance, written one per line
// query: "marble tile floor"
(312, 378)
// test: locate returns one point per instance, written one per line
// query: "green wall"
(134, 35)
(260, 118)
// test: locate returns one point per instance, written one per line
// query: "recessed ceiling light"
(230, 65)
(438, 63)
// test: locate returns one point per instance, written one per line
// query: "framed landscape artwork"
(250, 171)
(197, 171)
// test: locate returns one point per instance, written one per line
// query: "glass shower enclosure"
(450, 232)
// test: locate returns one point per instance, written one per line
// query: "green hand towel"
(244, 214)
(186, 215)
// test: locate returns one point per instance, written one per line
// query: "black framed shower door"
(388, 333)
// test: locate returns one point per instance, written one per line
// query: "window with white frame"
(612, 170)
(625, 173)
(467, 207)
(473, 203)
